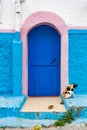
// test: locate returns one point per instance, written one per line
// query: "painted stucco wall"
(73, 12)
(78, 59)
(6, 62)
(7, 14)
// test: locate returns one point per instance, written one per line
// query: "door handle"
(58, 63)
(53, 60)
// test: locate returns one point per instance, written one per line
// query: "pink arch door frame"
(53, 20)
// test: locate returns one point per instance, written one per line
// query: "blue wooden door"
(43, 61)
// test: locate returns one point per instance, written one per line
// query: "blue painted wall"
(17, 65)
(6, 40)
(78, 59)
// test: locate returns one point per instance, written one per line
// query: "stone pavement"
(68, 127)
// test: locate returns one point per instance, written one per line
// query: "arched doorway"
(43, 61)
(57, 23)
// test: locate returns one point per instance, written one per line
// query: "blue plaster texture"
(14, 112)
(78, 59)
(12, 102)
(78, 101)
(10, 106)
(6, 40)
(41, 115)
(21, 122)
(80, 121)
(17, 68)
(17, 65)
(78, 104)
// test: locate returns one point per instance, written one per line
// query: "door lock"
(53, 60)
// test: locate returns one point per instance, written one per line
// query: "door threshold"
(43, 104)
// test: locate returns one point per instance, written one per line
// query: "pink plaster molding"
(7, 30)
(53, 20)
(78, 27)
